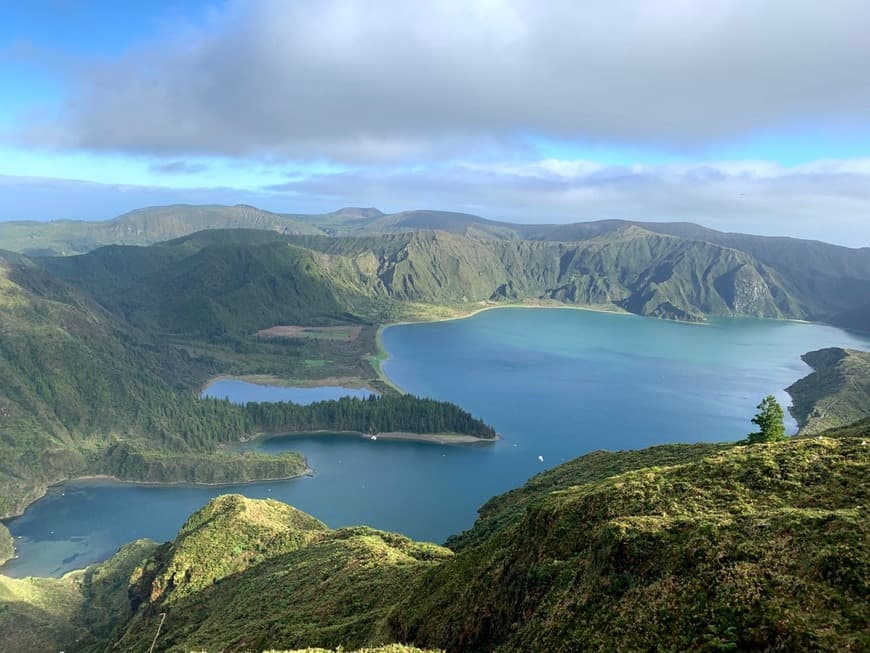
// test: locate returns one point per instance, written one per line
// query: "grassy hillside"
(211, 285)
(836, 394)
(633, 270)
(251, 575)
(79, 612)
(706, 547)
(754, 548)
(855, 319)
(830, 281)
(508, 508)
(82, 393)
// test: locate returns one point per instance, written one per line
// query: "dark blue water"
(554, 383)
(241, 392)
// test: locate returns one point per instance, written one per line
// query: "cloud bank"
(357, 81)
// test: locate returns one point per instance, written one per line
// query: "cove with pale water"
(554, 383)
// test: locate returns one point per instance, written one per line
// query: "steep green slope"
(77, 388)
(7, 546)
(249, 575)
(831, 282)
(140, 227)
(79, 612)
(856, 319)
(508, 508)
(229, 283)
(754, 548)
(836, 394)
(859, 429)
(216, 284)
(633, 269)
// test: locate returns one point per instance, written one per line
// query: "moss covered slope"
(757, 547)
(836, 394)
(245, 574)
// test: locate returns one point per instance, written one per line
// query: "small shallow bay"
(554, 383)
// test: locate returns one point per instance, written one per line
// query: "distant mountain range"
(674, 270)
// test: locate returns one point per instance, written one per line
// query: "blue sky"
(741, 116)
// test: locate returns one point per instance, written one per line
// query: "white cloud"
(826, 200)
(394, 80)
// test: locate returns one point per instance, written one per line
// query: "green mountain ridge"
(212, 283)
(837, 393)
(805, 279)
(140, 227)
(677, 547)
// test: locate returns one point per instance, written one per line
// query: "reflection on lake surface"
(554, 383)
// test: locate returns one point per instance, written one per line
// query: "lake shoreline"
(49, 487)
(407, 436)
(382, 355)
(307, 472)
(348, 382)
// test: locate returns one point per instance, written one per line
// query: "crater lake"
(554, 383)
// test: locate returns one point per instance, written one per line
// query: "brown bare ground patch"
(346, 333)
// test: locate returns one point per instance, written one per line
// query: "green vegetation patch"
(509, 508)
(836, 394)
(7, 545)
(245, 574)
(762, 547)
(130, 463)
(80, 611)
(389, 648)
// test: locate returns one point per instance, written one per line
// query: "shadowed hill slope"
(83, 393)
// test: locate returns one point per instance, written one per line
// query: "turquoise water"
(241, 392)
(554, 383)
